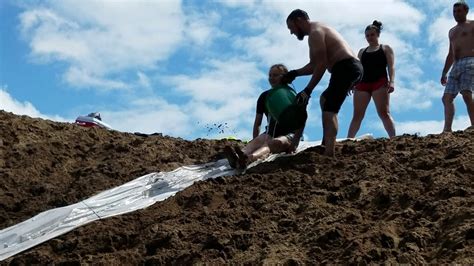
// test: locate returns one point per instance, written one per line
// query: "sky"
(194, 69)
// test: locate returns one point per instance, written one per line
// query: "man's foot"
(243, 158)
(329, 152)
(231, 156)
(320, 149)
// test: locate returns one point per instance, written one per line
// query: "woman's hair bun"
(377, 24)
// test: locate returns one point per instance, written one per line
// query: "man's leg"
(449, 110)
(330, 127)
(322, 101)
(467, 97)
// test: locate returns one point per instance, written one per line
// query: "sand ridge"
(405, 200)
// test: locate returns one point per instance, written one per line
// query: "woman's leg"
(382, 103)
(361, 101)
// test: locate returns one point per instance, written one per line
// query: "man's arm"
(296, 140)
(306, 70)
(318, 59)
(447, 64)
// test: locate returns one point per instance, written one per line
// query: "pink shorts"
(372, 86)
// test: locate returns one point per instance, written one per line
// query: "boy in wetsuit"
(278, 136)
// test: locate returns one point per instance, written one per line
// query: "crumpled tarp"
(136, 194)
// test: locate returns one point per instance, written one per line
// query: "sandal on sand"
(231, 156)
(243, 158)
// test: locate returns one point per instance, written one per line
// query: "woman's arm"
(361, 51)
(391, 67)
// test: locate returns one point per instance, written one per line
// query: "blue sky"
(179, 67)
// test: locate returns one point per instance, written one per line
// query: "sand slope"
(407, 200)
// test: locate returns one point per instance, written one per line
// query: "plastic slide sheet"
(136, 194)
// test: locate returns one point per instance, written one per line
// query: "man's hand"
(444, 80)
(294, 144)
(302, 98)
(289, 77)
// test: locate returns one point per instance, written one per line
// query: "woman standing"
(375, 58)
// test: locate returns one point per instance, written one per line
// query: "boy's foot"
(243, 158)
(231, 156)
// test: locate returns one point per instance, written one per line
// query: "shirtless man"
(327, 50)
(461, 57)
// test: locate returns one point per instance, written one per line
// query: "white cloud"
(201, 28)
(225, 92)
(148, 116)
(98, 38)
(167, 121)
(143, 80)
(104, 43)
(416, 96)
(430, 126)
(438, 30)
(9, 104)
(273, 42)
(220, 81)
(438, 36)
(80, 77)
(239, 3)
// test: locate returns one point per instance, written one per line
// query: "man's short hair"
(463, 4)
(297, 13)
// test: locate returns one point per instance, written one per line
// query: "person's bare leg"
(260, 153)
(467, 97)
(361, 101)
(256, 143)
(279, 144)
(330, 127)
(322, 100)
(448, 111)
(382, 104)
(245, 159)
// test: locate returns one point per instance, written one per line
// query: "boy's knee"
(274, 144)
(277, 145)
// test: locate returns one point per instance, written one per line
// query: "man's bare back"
(461, 38)
(337, 48)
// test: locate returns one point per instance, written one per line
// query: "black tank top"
(375, 65)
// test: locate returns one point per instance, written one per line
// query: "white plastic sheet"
(136, 194)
